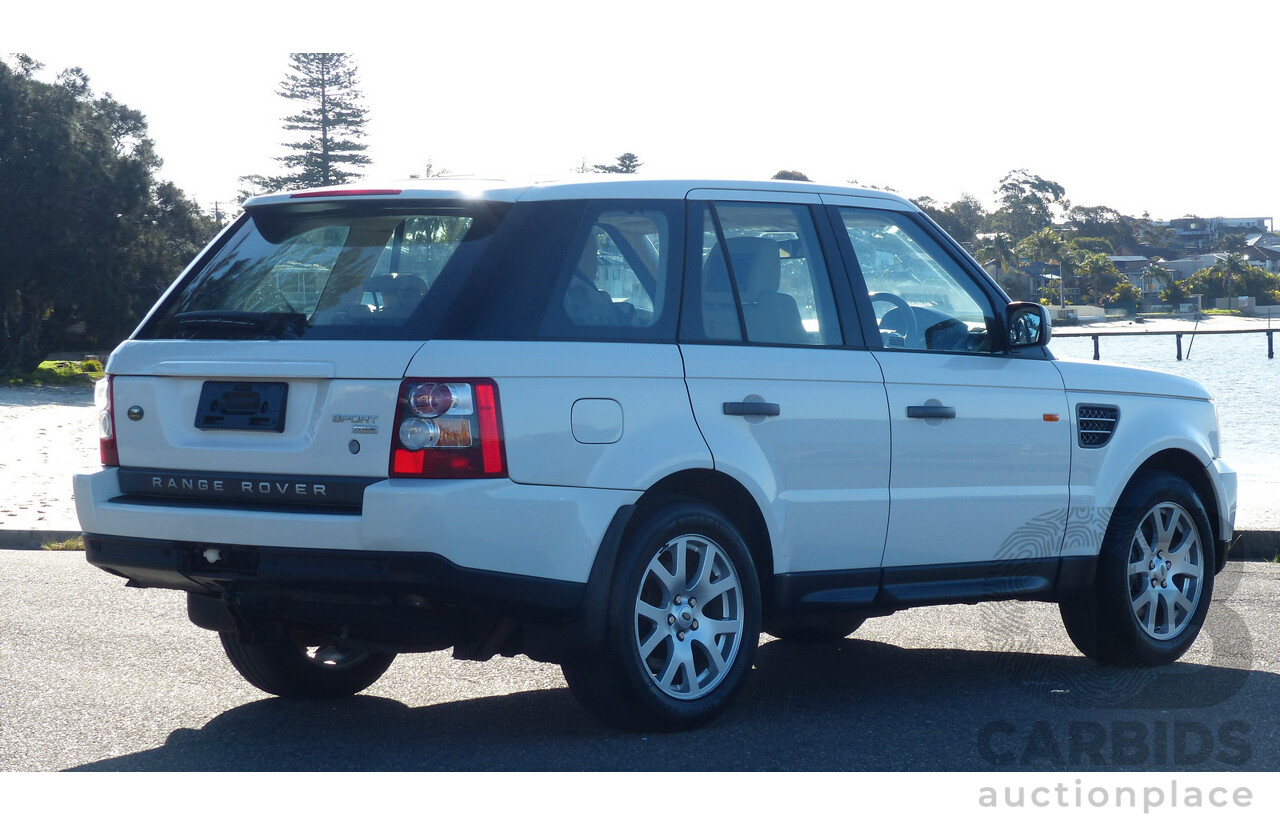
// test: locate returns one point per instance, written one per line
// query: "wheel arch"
(727, 495)
(582, 638)
(1187, 467)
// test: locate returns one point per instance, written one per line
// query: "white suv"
(626, 425)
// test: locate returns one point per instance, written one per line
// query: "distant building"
(1202, 234)
(1184, 268)
(1264, 257)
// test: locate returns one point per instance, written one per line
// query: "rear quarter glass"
(414, 271)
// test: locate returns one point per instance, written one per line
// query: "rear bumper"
(490, 526)
(217, 568)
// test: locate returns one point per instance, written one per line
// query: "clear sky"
(1159, 107)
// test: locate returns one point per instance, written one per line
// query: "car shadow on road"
(847, 705)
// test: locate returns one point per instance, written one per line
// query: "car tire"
(682, 625)
(288, 669)
(1154, 577)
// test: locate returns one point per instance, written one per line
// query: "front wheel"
(1154, 580)
(683, 624)
(289, 669)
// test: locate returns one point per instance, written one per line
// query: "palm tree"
(1231, 268)
(999, 249)
(1048, 246)
(1099, 273)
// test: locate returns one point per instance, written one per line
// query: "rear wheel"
(292, 670)
(1154, 580)
(683, 624)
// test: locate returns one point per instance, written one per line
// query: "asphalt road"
(97, 677)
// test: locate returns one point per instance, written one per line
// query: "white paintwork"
(984, 485)
(597, 421)
(819, 469)
(550, 532)
(538, 385)
(843, 478)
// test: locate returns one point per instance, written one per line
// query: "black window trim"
(990, 289)
(848, 313)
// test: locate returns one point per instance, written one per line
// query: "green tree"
(89, 237)
(1102, 223)
(1047, 246)
(1097, 276)
(1160, 276)
(790, 174)
(1175, 293)
(962, 219)
(1233, 276)
(1233, 242)
(1101, 245)
(626, 164)
(1151, 233)
(1125, 291)
(998, 249)
(332, 120)
(1026, 203)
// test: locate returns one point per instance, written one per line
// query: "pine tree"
(333, 119)
(627, 164)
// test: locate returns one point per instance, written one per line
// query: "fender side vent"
(1095, 424)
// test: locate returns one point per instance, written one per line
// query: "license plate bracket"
(242, 405)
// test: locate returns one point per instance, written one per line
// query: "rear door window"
(762, 277)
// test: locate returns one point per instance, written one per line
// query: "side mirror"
(1028, 325)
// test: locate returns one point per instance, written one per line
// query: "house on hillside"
(1270, 239)
(1130, 265)
(1263, 257)
(1184, 268)
(1194, 234)
(1137, 270)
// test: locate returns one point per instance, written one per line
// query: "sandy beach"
(51, 434)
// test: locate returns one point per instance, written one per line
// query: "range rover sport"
(626, 426)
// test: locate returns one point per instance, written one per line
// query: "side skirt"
(880, 591)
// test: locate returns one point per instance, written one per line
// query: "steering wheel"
(910, 333)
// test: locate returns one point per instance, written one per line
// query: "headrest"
(757, 264)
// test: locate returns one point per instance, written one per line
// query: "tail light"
(448, 429)
(107, 451)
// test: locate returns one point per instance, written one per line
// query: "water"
(1244, 384)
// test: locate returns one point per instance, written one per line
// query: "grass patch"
(73, 543)
(59, 374)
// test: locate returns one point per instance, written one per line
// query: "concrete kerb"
(1248, 545)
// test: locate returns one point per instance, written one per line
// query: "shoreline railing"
(1271, 351)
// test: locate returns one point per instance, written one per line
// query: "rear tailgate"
(323, 408)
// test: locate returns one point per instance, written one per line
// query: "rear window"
(564, 270)
(293, 273)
